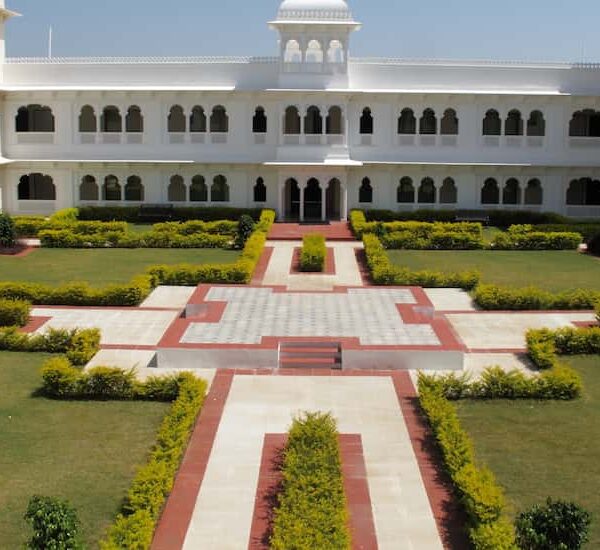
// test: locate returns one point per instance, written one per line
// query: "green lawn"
(100, 266)
(86, 452)
(541, 449)
(551, 270)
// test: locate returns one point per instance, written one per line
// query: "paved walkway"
(258, 405)
(347, 272)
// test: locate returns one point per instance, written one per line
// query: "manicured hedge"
(14, 313)
(33, 226)
(131, 213)
(498, 218)
(384, 273)
(482, 497)
(311, 511)
(313, 253)
(220, 227)
(441, 239)
(8, 232)
(79, 345)
(152, 239)
(567, 340)
(134, 526)
(522, 237)
(586, 230)
(493, 297)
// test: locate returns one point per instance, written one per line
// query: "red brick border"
(35, 323)
(356, 488)
(176, 517)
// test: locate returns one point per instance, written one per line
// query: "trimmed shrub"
(521, 237)
(134, 526)
(8, 233)
(586, 230)
(477, 488)
(67, 215)
(244, 230)
(131, 213)
(493, 297)
(556, 526)
(384, 273)
(55, 524)
(313, 253)
(14, 313)
(311, 510)
(220, 227)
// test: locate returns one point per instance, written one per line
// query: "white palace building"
(311, 133)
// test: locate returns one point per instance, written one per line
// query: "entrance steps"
(310, 355)
(333, 231)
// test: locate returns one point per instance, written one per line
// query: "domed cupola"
(314, 35)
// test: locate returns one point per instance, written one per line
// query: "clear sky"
(565, 30)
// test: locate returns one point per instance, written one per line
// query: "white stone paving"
(450, 299)
(278, 273)
(368, 314)
(135, 327)
(169, 297)
(258, 405)
(507, 330)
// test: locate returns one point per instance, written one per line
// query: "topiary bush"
(14, 313)
(8, 233)
(244, 230)
(313, 253)
(55, 524)
(556, 526)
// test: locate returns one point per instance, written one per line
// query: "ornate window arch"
(219, 190)
(111, 189)
(88, 189)
(198, 189)
(134, 121)
(87, 119)
(177, 191)
(334, 123)
(35, 118)
(366, 121)
(407, 123)
(490, 192)
(428, 123)
(511, 194)
(219, 121)
(313, 121)
(36, 187)
(536, 125)
(492, 123)
(177, 121)
(259, 121)
(427, 191)
(198, 119)
(406, 191)
(534, 192)
(514, 123)
(260, 191)
(291, 121)
(365, 193)
(449, 123)
(111, 120)
(448, 192)
(134, 189)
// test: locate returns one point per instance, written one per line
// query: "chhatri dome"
(314, 9)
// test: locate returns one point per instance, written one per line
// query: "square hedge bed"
(100, 267)
(86, 452)
(540, 449)
(549, 270)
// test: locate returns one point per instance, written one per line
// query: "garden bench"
(156, 212)
(472, 216)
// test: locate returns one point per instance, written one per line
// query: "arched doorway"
(292, 199)
(313, 201)
(334, 199)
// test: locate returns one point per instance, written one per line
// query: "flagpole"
(50, 43)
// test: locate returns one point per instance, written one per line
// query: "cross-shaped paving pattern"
(367, 314)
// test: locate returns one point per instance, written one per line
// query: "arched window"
(260, 191)
(291, 123)
(406, 191)
(428, 122)
(292, 53)
(314, 52)
(36, 187)
(584, 192)
(219, 121)
(511, 194)
(492, 124)
(534, 193)
(366, 121)
(313, 123)
(177, 192)
(219, 191)
(426, 193)
(259, 121)
(585, 123)
(514, 124)
(536, 125)
(177, 122)
(111, 121)
(449, 123)
(490, 192)
(448, 192)
(134, 121)
(335, 53)
(87, 119)
(134, 190)
(365, 193)
(333, 122)
(198, 189)
(198, 120)
(88, 189)
(34, 118)
(407, 123)
(111, 190)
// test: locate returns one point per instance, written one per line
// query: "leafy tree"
(55, 524)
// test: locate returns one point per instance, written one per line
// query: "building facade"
(311, 133)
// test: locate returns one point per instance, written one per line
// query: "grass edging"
(312, 510)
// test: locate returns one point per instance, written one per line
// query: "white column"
(344, 201)
(323, 201)
(302, 188)
(281, 201)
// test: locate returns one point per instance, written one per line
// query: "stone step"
(309, 352)
(326, 355)
(310, 363)
(285, 346)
